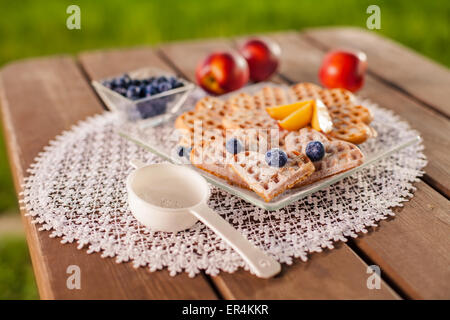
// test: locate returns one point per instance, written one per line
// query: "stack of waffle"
(213, 121)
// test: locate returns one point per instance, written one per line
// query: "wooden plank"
(432, 127)
(39, 99)
(194, 51)
(413, 248)
(336, 274)
(427, 232)
(101, 64)
(332, 274)
(419, 76)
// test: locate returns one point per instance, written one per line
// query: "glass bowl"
(148, 111)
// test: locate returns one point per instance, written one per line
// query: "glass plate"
(162, 140)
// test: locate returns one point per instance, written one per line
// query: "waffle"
(350, 121)
(273, 96)
(339, 156)
(212, 157)
(205, 121)
(251, 139)
(213, 122)
(248, 112)
(267, 181)
(241, 101)
(248, 118)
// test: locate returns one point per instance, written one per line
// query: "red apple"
(343, 69)
(222, 72)
(262, 56)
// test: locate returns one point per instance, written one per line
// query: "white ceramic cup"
(171, 198)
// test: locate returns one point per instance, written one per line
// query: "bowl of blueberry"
(147, 93)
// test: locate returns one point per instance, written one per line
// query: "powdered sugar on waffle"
(339, 155)
(213, 158)
(268, 181)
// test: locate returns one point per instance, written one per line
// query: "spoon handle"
(260, 263)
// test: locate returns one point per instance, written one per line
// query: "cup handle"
(137, 163)
(260, 263)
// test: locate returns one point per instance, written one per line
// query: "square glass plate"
(162, 140)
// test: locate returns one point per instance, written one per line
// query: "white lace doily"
(76, 188)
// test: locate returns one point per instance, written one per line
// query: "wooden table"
(43, 96)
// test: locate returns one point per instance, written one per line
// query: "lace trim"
(76, 188)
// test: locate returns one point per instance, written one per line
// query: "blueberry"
(121, 91)
(178, 84)
(155, 84)
(142, 91)
(126, 79)
(151, 90)
(164, 86)
(136, 82)
(162, 79)
(133, 92)
(172, 80)
(116, 83)
(183, 152)
(175, 83)
(276, 158)
(107, 84)
(234, 146)
(315, 150)
(148, 90)
(122, 82)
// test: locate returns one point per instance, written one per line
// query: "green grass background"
(36, 28)
(16, 274)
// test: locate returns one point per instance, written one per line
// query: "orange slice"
(321, 119)
(298, 119)
(281, 112)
